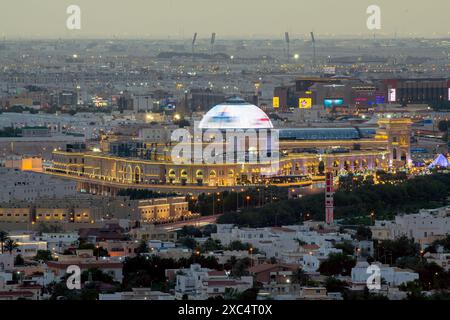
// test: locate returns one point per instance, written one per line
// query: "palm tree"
(3, 238)
(300, 277)
(10, 245)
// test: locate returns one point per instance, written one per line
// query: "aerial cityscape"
(301, 163)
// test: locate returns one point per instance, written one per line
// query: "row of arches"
(199, 176)
(319, 167)
(127, 173)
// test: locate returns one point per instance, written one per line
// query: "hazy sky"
(229, 18)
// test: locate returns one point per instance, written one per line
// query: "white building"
(441, 259)
(394, 277)
(6, 262)
(137, 294)
(29, 186)
(424, 227)
(201, 283)
(157, 133)
(281, 242)
(59, 242)
(27, 246)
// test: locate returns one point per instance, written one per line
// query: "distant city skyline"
(232, 19)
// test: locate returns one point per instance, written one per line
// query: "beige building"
(81, 212)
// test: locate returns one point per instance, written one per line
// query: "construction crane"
(194, 39)
(314, 49)
(213, 40)
(288, 45)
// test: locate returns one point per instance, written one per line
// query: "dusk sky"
(228, 18)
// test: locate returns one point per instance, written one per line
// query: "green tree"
(300, 277)
(188, 242)
(10, 245)
(335, 285)
(390, 250)
(347, 247)
(337, 264)
(363, 233)
(43, 255)
(414, 290)
(240, 268)
(211, 245)
(19, 261)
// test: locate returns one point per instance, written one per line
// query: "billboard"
(392, 95)
(276, 102)
(379, 99)
(333, 102)
(305, 103)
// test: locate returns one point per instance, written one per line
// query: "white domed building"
(235, 113)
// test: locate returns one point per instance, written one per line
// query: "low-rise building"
(392, 276)
(424, 227)
(85, 260)
(137, 294)
(199, 283)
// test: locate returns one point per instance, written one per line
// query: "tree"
(347, 247)
(443, 126)
(238, 246)
(188, 242)
(190, 231)
(414, 289)
(142, 248)
(300, 277)
(211, 245)
(335, 285)
(363, 233)
(337, 264)
(10, 245)
(19, 261)
(43, 255)
(391, 250)
(3, 238)
(240, 268)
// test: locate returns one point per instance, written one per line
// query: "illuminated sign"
(392, 95)
(276, 102)
(379, 99)
(305, 103)
(329, 70)
(335, 102)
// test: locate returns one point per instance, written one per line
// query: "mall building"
(301, 151)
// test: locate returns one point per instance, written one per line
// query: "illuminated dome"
(235, 114)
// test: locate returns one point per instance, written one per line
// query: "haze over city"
(179, 19)
(239, 154)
